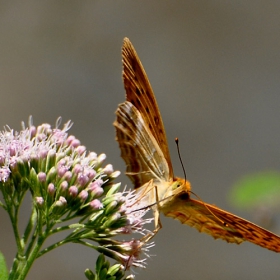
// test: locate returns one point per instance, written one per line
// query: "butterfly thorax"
(160, 191)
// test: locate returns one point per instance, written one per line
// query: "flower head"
(67, 182)
(56, 165)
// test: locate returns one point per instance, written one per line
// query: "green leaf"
(114, 269)
(99, 263)
(113, 189)
(3, 268)
(257, 189)
(89, 274)
(111, 278)
(103, 273)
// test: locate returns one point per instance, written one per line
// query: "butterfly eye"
(176, 185)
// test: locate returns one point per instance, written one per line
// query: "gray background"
(214, 67)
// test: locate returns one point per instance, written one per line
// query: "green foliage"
(105, 272)
(257, 189)
(3, 268)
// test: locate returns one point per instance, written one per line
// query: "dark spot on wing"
(138, 91)
(238, 234)
(147, 110)
(156, 119)
(124, 126)
(133, 65)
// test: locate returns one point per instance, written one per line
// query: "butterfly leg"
(158, 224)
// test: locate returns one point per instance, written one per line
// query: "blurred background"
(214, 67)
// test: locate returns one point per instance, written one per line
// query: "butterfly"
(143, 144)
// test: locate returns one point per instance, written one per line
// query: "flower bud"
(75, 143)
(34, 182)
(115, 174)
(42, 177)
(51, 189)
(89, 274)
(59, 206)
(83, 195)
(111, 208)
(82, 179)
(68, 176)
(100, 159)
(114, 189)
(23, 167)
(112, 220)
(51, 175)
(51, 159)
(73, 191)
(39, 202)
(34, 161)
(80, 149)
(63, 187)
(108, 169)
(96, 204)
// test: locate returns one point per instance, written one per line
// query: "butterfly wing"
(230, 228)
(139, 92)
(144, 158)
(141, 136)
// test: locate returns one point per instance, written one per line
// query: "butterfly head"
(181, 187)
(180, 190)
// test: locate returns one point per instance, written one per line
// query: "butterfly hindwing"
(139, 149)
(146, 165)
(219, 223)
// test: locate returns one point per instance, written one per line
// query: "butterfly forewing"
(139, 92)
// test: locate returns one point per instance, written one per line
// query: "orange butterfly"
(143, 144)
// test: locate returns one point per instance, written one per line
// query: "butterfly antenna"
(178, 150)
(220, 220)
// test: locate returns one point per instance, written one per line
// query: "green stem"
(32, 256)
(72, 226)
(3, 205)
(12, 210)
(55, 245)
(20, 258)
(31, 243)
(86, 244)
(33, 253)
(30, 225)
(68, 239)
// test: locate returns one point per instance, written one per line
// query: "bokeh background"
(214, 67)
